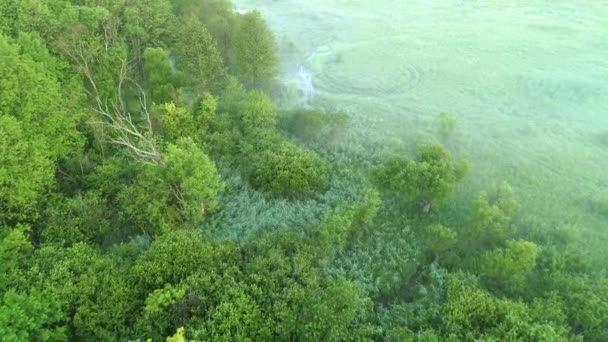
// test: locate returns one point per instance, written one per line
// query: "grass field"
(527, 81)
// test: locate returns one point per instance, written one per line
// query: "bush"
(290, 171)
(492, 217)
(432, 175)
(257, 112)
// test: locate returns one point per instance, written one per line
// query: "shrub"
(290, 171)
(432, 175)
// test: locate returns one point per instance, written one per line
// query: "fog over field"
(527, 81)
(304, 170)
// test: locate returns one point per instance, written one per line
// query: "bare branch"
(137, 141)
(123, 131)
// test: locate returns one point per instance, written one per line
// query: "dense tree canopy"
(151, 189)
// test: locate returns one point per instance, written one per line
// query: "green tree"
(430, 176)
(438, 238)
(447, 123)
(16, 252)
(82, 218)
(37, 126)
(177, 122)
(492, 218)
(290, 171)
(337, 312)
(311, 124)
(97, 53)
(257, 113)
(31, 317)
(586, 305)
(172, 257)
(147, 23)
(507, 268)
(256, 57)
(471, 314)
(193, 179)
(219, 18)
(338, 228)
(197, 56)
(161, 81)
(94, 293)
(26, 170)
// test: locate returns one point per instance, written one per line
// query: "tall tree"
(36, 130)
(148, 23)
(160, 78)
(255, 49)
(197, 56)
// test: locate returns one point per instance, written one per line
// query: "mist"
(526, 81)
(303, 170)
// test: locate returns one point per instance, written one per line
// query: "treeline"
(124, 124)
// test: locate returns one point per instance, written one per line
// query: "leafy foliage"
(197, 56)
(146, 192)
(160, 78)
(255, 51)
(290, 171)
(30, 317)
(432, 175)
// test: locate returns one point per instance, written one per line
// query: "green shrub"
(290, 171)
(432, 175)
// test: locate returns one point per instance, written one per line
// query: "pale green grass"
(527, 80)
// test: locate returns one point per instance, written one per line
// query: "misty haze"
(303, 170)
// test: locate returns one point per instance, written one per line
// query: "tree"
(177, 122)
(492, 218)
(31, 317)
(197, 56)
(438, 238)
(159, 312)
(218, 16)
(193, 179)
(8, 13)
(290, 171)
(586, 305)
(125, 131)
(256, 56)
(183, 190)
(507, 268)
(338, 228)
(257, 113)
(472, 314)
(309, 124)
(16, 253)
(95, 54)
(431, 176)
(37, 128)
(172, 258)
(336, 312)
(161, 81)
(82, 218)
(26, 170)
(147, 23)
(94, 293)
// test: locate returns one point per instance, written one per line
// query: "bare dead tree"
(110, 27)
(137, 140)
(81, 52)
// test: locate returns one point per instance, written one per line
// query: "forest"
(152, 188)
